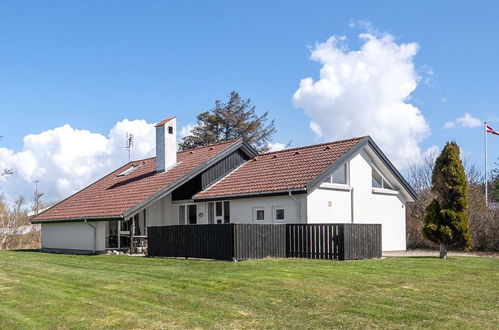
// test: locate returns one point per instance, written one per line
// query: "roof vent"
(275, 156)
(327, 148)
(191, 152)
(211, 148)
(297, 152)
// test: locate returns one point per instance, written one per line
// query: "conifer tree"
(446, 221)
(228, 121)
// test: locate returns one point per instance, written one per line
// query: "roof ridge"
(314, 145)
(182, 151)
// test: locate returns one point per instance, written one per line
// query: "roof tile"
(281, 170)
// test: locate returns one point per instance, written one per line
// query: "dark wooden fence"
(257, 241)
(221, 241)
(343, 241)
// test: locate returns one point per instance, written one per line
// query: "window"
(378, 181)
(140, 228)
(187, 214)
(192, 216)
(279, 213)
(226, 212)
(125, 225)
(129, 170)
(170, 130)
(211, 213)
(111, 234)
(339, 176)
(219, 212)
(181, 215)
(259, 214)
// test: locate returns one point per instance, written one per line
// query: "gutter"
(95, 234)
(298, 206)
(251, 194)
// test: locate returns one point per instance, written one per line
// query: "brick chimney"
(166, 144)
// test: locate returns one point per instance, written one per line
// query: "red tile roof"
(279, 171)
(164, 121)
(112, 195)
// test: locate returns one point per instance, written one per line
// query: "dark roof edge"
(239, 144)
(111, 217)
(252, 194)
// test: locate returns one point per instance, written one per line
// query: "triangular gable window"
(378, 181)
(339, 176)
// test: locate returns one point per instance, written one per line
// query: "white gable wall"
(326, 205)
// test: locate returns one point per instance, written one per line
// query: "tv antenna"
(129, 144)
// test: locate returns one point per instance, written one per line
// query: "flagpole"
(485, 178)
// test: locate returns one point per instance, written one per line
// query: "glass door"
(219, 212)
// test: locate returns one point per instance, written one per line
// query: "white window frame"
(383, 180)
(186, 218)
(255, 213)
(222, 217)
(274, 213)
(346, 165)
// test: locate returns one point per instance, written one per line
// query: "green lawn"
(39, 290)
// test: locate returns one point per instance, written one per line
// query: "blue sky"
(92, 64)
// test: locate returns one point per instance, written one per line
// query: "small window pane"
(340, 175)
(181, 215)
(226, 212)
(125, 225)
(192, 214)
(218, 208)
(279, 214)
(211, 213)
(376, 179)
(260, 215)
(328, 179)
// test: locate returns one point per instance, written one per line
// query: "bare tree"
(16, 232)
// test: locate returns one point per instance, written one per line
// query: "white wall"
(161, 213)
(327, 205)
(368, 206)
(73, 235)
(241, 210)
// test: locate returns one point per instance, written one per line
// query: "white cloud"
(276, 146)
(365, 92)
(465, 121)
(468, 121)
(185, 131)
(316, 128)
(449, 124)
(65, 159)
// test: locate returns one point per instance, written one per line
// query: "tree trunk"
(443, 250)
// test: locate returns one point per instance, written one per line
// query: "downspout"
(298, 206)
(95, 234)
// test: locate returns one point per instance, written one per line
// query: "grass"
(39, 290)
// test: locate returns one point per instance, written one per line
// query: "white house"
(348, 181)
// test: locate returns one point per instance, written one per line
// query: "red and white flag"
(491, 130)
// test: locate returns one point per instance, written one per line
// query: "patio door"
(219, 212)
